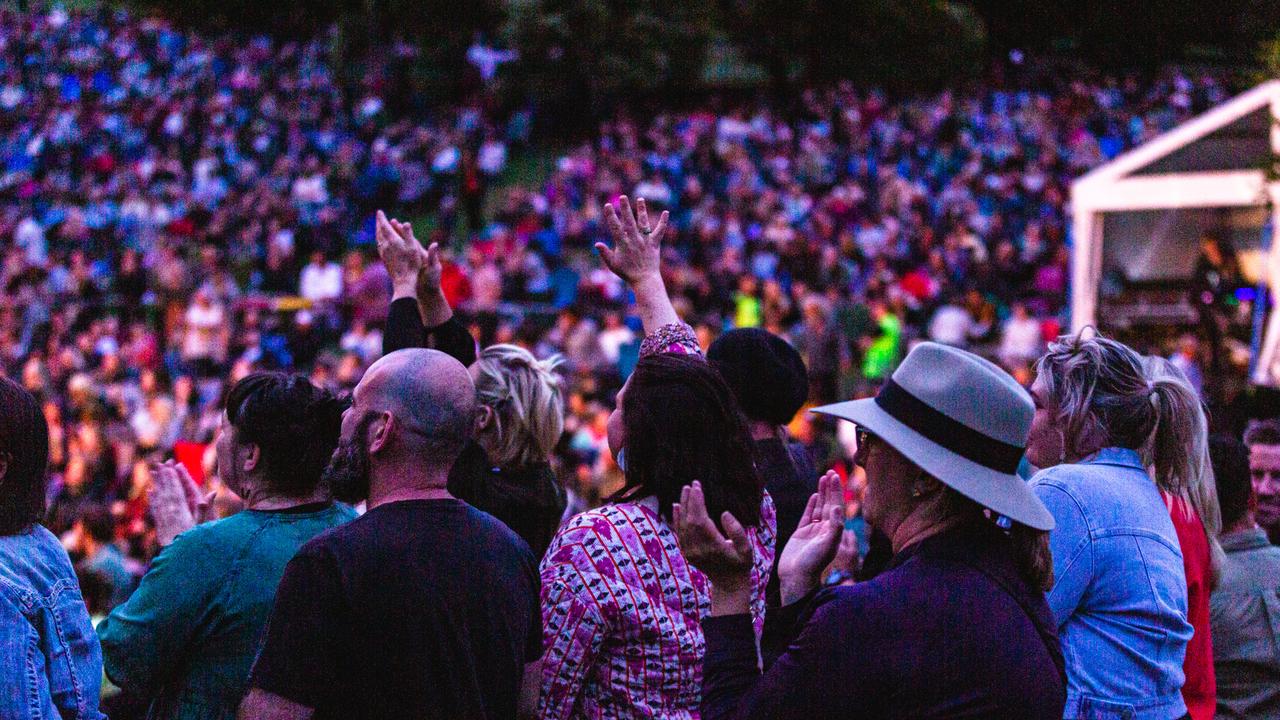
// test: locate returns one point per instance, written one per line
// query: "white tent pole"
(1086, 262)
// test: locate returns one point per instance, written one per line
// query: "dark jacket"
(948, 630)
(528, 500)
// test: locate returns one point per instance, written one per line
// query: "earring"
(917, 493)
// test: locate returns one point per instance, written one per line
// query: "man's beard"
(347, 475)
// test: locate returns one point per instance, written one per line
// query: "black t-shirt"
(418, 609)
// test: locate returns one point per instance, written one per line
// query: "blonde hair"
(1200, 493)
(525, 396)
(1103, 398)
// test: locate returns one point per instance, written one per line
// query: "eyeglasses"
(865, 438)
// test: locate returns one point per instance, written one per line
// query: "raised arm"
(636, 257)
(419, 315)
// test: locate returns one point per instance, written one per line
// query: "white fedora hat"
(962, 420)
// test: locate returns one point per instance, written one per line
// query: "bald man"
(422, 608)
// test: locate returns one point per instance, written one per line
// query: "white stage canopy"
(1142, 214)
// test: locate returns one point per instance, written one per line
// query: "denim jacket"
(1120, 591)
(50, 661)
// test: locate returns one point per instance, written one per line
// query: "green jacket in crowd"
(187, 637)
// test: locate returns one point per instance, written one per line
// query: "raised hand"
(636, 256)
(401, 253)
(724, 558)
(814, 544)
(176, 502)
(432, 268)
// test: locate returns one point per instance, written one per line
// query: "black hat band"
(947, 432)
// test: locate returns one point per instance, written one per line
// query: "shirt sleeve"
(144, 639)
(1072, 550)
(404, 326)
(453, 339)
(798, 684)
(298, 657)
(674, 338)
(573, 631)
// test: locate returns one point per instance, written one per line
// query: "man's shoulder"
(384, 525)
(1259, 562)
(492, 533)
(334, 538)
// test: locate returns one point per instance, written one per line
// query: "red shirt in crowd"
(1200, 691)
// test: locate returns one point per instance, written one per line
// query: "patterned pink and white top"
(622, 615)
(621, 608)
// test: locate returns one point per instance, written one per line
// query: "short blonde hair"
(527, 401)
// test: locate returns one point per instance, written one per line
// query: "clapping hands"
(177, 505)
(414, 270)
(724, 558)
(814, 544)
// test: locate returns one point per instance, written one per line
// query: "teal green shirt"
(188, 635)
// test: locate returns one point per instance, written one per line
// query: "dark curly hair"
(294, 424)
(683, 424)
(24, 447)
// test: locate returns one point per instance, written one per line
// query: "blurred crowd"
(178, 211)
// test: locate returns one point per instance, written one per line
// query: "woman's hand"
(725, 559)
(176, 502)
(847, 559)
(814, 544)
(415, 272)
(432, 268)
(636, 256)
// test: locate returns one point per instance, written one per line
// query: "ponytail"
(1182, 431)
(1179, 427)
